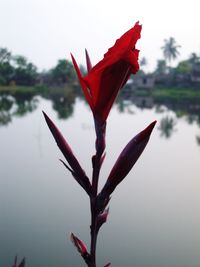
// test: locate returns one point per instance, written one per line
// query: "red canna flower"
(103, 81)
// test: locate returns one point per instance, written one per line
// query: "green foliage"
(161, 67)
(16, 69)
(63, 72)
(184, 67)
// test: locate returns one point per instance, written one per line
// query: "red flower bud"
(126, 160)
(103, 81)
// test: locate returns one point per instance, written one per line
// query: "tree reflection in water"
(16, 105)
(64, 98)
(6, 104)
(167, 126)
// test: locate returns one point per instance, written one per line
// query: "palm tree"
(170, 49)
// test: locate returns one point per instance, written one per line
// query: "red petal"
(107, 77)
(125, 43)
(127, 159)
(84, 87)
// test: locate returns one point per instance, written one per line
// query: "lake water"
(154, 218)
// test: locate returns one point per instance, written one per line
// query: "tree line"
(184, 73)
(17, 70)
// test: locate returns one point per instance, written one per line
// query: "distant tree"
(5, 55)
(170, 49)
(194, 59)
(184, 67)
(63, 72)
(25, 72)
(161, 67)
(6, 69)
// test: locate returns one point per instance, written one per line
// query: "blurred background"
(154, 214)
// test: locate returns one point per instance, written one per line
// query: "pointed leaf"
(102, 218)
(107, 265)
(88, 61)
(81, 247)
(126, 160)
(78, 172)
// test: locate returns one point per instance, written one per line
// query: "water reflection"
(16, 106)
(6, 104)
(198, 139)
(40, 202)
(167, 126)
(63, 101)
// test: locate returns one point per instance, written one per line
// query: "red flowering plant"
(100, 87)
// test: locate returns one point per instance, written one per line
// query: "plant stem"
(95, 178)
(100, 146)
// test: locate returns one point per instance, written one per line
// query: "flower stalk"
(100, 87)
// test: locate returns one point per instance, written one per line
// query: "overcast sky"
(47, 30)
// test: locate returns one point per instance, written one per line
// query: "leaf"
(102, 218)
(107, 265)
(81, 247)
(78, 172)
(126, 160)
(88, 61)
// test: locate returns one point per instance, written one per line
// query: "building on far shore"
(145, 81)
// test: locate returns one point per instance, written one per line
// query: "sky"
(47, 30)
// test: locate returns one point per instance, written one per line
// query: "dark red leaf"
(78, 172)
(81, 247)
(102, 218)
(107, 265)
(126, 160)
